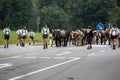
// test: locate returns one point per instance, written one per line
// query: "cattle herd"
(79, 37)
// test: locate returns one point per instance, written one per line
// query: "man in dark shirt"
(89, 37)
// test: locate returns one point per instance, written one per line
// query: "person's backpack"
(114, 32)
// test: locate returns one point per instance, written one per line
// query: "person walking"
(89, 37)
(31, 35)
(113, 35)
(45, 33)
(24, 35)
(19, 34)
(6, 33)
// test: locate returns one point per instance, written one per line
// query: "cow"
(60, 37)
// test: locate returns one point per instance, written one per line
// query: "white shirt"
(31, 33)
(19, 31)
(114, 31)
(24, 32)
(6, 31)
(45, 30)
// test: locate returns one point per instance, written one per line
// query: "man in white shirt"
(19, 33)
(45, 33)
(114, 34)
(6, 33)
(24, 35)
(31, 35)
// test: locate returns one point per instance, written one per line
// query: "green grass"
(14, 37)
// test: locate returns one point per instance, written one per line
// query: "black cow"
(61, 37)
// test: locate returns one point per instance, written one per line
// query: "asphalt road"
(63, 63)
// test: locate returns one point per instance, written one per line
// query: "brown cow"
(107, 35)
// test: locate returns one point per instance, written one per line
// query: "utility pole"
(38, 23)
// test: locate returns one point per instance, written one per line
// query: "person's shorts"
(19, 36)
(31, 37)
(114, 37)
(24, 37)
(6, 37)
(45, 36)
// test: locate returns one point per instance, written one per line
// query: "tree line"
(63, 14)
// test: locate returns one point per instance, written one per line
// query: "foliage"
(54, 16)
(65, 14)
(114, 13)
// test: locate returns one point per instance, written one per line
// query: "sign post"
(38, 23)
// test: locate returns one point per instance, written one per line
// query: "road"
(63, 63)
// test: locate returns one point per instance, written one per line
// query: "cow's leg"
(52, 43)
(118, 41)
(109, 41)
(101, 40)
(56, 42)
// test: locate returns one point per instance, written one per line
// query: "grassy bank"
(13, 38)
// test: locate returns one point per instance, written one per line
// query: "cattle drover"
(114, 34)
(89, 37)
(24, 35)
(19, 33)
(6, 33)
(45, 33)
(31, 35)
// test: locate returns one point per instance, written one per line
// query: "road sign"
(38, 19)
(100, 26)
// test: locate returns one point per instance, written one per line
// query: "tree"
(54, 16)
(18, 12)
(67, 14)
(91, 12)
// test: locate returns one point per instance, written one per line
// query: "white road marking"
(31, 57)
(44, 69)
(102, 51)
(92, 54)
(59, 57)
(74, 57)
(20, 56)
(70, 48)
(45, 57)
(64, 53)
(5, 65)
(31, 54)
(100, 45)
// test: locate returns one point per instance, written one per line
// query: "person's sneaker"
(5, 46)
(44, 47)
(88, 47)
